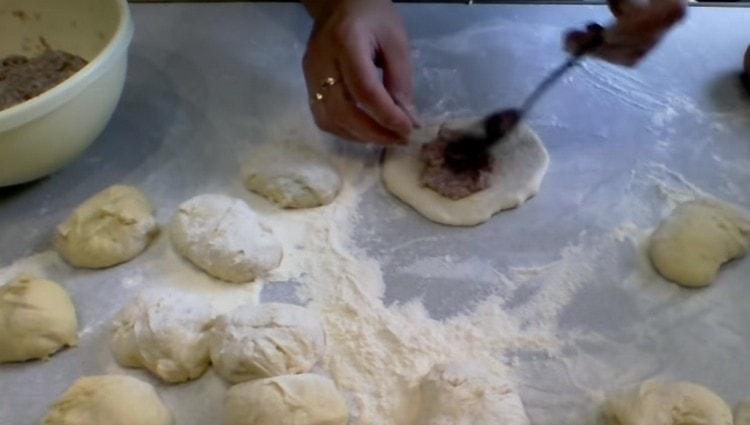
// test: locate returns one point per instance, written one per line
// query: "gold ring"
(328, 82)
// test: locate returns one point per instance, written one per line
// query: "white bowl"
(41, 135)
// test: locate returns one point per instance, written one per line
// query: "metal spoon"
(468, 149)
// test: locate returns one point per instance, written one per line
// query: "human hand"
(640, 26)
(350, 41)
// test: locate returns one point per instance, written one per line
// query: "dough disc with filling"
(520, 165)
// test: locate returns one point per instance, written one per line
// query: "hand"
(640, 26)
(350, 41)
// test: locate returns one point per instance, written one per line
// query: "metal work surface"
(208, 82)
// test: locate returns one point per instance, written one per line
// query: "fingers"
(639, 28)
(336, 113)
(621, 8)
(363, 82)
(396, 66)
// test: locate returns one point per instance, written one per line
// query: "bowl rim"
(51, 99)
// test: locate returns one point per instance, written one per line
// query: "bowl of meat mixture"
(62, 70)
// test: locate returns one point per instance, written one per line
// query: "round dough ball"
(466, 393)
(285, 400)
(111, 400)
(699, 236)
(110, 228)
(37, 318)
(264, 341)
(292, 176)
(667, 403)
(520, 165)
(224, 237)
(165, 332)
(742, 414)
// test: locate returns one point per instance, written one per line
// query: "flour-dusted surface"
(561, 290)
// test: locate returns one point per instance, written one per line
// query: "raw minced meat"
(23, 78)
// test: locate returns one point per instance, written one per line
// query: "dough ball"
(165, 332)
(292, 176)
(742, 414)
(467, 393)
(699, 236)
(110, 400)
(519, 167)
(37, 318)
(110, 228)
(285, 400)
(267, 340)
(224, 237)
(667, 403)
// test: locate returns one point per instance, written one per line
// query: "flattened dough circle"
(520, 165)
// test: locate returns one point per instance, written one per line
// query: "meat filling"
(23, 78)
(448, 181)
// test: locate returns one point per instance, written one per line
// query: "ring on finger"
(327, 83)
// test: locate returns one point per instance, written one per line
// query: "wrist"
(322, 9)
(319, 9)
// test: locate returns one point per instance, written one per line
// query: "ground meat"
(23, 78)
(450, 182)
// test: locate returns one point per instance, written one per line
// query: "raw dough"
(285, 400)
(110, 228)
(268, 340)
(224, 237)
(110, 400)
(742, 414)
(667, 403)
(465, 393)
(165, 332)
(520, 164)
(292, 176)
(37, 318)
(699, 236)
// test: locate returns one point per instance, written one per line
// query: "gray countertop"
(207, 81)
